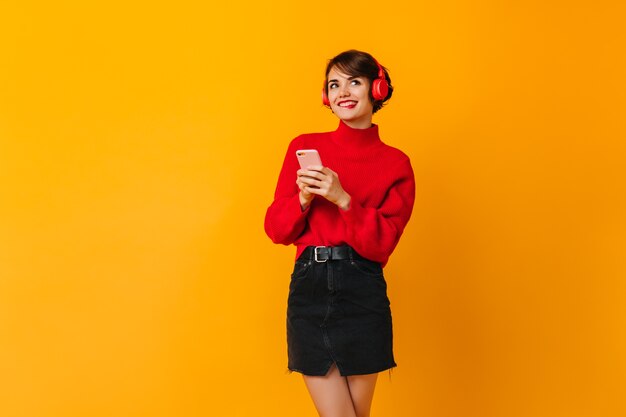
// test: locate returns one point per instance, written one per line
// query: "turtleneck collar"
(348, 136)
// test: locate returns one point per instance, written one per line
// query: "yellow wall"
(140, 143)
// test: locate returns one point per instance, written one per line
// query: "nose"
(344, 91)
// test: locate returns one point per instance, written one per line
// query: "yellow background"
(140, 143)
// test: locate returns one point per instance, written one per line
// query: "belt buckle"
(315, 254)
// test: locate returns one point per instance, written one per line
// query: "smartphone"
(308, 157)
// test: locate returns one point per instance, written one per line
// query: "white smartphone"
(308, 157)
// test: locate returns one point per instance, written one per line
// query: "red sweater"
(379, 179)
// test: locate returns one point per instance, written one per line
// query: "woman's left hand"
(325, 182)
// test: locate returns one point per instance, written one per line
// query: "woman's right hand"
(305, 195)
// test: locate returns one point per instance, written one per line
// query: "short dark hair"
(359, 64)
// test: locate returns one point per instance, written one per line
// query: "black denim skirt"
(338, 312)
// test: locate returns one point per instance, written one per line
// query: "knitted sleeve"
(374, 232)
(284, 219)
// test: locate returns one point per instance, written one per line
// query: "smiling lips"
(347, 104)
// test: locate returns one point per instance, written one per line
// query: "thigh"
(362, 392)
(330, 394)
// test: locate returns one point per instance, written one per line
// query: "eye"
(356, 82)
(332, 85)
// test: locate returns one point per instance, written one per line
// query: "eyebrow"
(350, 78)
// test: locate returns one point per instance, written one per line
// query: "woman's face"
(349, 99)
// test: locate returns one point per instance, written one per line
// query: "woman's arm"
(375, 232)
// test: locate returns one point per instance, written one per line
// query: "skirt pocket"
(367, 267)
(300, 269)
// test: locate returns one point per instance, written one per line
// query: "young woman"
(345, 217)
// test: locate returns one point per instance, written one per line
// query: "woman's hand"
(305, 195)
(319, 180)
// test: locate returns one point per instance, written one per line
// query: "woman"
(345, 218)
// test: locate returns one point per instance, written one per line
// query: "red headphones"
(380, 88)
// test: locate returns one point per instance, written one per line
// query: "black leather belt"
(329, 253)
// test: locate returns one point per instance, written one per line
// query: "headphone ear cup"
(380, 88)
(325, 99)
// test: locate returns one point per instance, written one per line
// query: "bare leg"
(330, 394)
(362, 392)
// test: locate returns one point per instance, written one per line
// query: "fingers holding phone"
(315, 179)
(328, 186)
